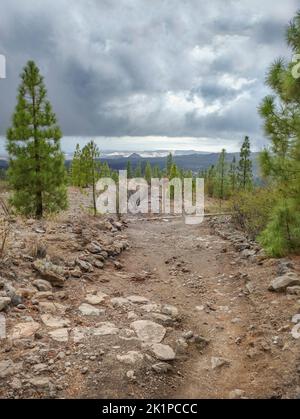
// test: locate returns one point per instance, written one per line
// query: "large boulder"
(280, 283)
(50, 272)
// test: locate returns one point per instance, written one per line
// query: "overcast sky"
(171, 68)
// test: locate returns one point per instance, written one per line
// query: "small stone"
(131, 375)
(148, 331)
(188, 335)
(131, 358)
(96, 299)
(15, 384)
(136, 299)
(50, 272)
(105, 328)
(89, 310)
(161, 367)
(217, 362)
(163, 352)
(170, 311)
(54, 322)
(8, 368)
(94, 248)
(236, 394)
(42, 285)
(201, 342)
(293, 290)
(84, 266)
(120, 301)
(24, 330)
(76, 273)
(280, 283)
(39, 368)
(49, 307)
(181, 347)
(4, 302)
(40, 382)
(59, 335)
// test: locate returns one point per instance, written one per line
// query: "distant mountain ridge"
(195, 161)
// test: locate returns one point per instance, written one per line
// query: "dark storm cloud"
(139, 67)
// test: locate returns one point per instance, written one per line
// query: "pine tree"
(148, 172)
(76, 174)
(281, 164)
(129, 169)
(233, 175)
(169, 164)
(210, 181)
(138, 171)
(245, 166)
(221, 177)
(36, 164)
(156, 173)
(105, 170)
(90, 154)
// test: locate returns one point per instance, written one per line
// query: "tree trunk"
(94, 187)
(38, 196)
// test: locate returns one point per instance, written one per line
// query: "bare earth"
(224, 333)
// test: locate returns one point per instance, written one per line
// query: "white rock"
(296, 331)
(24, 330)
(151, 308)
(50, 307)
(120, 301)
(136, 299)
(59, 335)
(105, 328)
(131, 358)
(54, 322)
(148, 331)
(296, 318)
(163, 352)
(89, 310)
(95, 299)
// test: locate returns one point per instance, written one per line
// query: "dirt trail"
(159, 290)
(200, 274)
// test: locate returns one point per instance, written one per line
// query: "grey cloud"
(130, 67)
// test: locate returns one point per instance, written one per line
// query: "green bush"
(282, 234)
(251, 210)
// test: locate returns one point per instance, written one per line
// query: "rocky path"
(182, 313)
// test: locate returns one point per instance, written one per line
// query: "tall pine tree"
(36, 164)
(245, 166)
(281, 164)
(90, 154)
